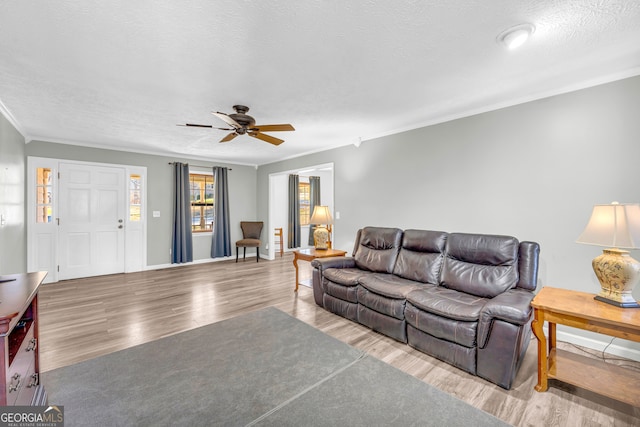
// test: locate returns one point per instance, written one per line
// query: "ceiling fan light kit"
(243, 124)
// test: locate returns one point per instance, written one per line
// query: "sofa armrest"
(333, 262)
(528, 255)
(512, 306)
(321, 264)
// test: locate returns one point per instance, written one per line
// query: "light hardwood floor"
(86, 318)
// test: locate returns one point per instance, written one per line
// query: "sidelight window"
(135, 197)
(44, 199)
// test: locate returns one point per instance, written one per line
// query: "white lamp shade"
(321, 215)
(615, 225)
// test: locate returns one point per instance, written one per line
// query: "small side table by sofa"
(312, 253)
(581, 310)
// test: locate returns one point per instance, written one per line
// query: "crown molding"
(11, 119)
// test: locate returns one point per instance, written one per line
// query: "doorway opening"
(279, 202)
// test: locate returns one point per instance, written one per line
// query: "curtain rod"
(199, 166)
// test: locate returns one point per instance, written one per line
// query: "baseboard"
(197, 261)
(597, 345)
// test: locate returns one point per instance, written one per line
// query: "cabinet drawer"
(19, 373)
(28, 387)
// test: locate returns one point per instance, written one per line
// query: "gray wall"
(13, 235)
(242, 193)
(533, 171)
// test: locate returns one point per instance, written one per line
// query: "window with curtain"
(202, 202)
(304, 190)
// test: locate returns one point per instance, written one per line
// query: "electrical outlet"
(267, 247)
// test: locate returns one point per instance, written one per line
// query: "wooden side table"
(580, 310)
(312, 253)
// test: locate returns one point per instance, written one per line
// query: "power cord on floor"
(603, 356)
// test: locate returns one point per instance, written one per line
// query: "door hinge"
(58, 269)
(58, 175)
(58, 221)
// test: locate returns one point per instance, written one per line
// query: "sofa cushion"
(457, 331)
(448, 303)
(340, 307)
(421, 255)
(389, 285)
(344, 276)
(345, 293)
(481, 265)
(390, 326)
(455, 354)
(385, 293)
(378, 248)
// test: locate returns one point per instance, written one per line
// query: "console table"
(19, 353)
(580, 310)
(312, 253)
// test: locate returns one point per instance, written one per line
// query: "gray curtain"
(314, 198)
(294, 212)
(221, 243)
(182, 246)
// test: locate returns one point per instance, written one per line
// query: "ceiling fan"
(241, 123)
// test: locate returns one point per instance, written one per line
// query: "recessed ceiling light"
(515, 36)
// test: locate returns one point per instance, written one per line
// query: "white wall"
(533, 171)
(13, 231)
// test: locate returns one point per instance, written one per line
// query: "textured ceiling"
(121, 74)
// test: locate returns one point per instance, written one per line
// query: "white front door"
(92, 218)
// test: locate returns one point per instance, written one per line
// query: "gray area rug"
(262, 368)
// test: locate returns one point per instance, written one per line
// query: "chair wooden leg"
(258, 254)
(237, 253)
(244, 254)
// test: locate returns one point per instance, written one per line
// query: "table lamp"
(321, 216)
(615, 226)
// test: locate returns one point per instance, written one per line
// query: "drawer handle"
(33, 343)
(34, 380)
(16, 386)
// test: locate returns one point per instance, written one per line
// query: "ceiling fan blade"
(203, 126)
(196, 126)
(267, 138)
(228, 120)
(229, 137)
(273, 128)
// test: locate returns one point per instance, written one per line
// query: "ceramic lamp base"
(618, 274)
(321, 238)
(633, 304)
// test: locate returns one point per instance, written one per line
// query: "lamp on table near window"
(615, 226)
(321, 216)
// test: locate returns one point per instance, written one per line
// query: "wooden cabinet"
(19, 340)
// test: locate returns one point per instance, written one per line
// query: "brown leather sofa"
(463, 298)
